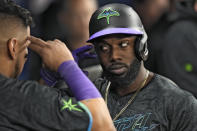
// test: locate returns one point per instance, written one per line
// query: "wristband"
(81, 87)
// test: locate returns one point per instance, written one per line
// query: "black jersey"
(160, 106)
(28, 106)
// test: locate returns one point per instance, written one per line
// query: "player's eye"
(104, 48)
(124, 44)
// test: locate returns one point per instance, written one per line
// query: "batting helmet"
(119, 19)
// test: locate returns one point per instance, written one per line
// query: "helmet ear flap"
(144, 52)
(136, 48)
(141, 50)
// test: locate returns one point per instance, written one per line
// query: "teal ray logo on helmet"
(107, 13)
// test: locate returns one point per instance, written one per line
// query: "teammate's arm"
(56, 56)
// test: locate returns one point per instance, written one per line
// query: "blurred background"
(170, 24)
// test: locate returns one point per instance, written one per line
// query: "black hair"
(8, 7)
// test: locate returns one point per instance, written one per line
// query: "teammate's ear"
(12, 48)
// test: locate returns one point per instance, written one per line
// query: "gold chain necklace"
(131, 99)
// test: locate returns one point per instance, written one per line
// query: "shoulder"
(180, 24)
(182, 28)
(20, 86)
(173, 97)
(47, 106)
(167, 88)
(180, 105)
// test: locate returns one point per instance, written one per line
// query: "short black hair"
(8, 7)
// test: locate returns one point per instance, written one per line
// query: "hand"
(50, 78)
(83, 52)
(53, 53)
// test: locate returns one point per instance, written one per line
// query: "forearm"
(85, 91)
(101, 117)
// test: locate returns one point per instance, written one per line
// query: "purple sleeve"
(81, 87)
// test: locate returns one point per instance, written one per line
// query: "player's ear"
(12, 48)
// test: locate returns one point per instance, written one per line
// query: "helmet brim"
(114, 31)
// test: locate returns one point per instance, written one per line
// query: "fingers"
(36, 41)
(58, 41)
(35, 48)
(53, 53)
(50, 42)
(37, 44)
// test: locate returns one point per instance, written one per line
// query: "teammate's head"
(151, 11)
(74, 18)
(15, 28)
(120, 41)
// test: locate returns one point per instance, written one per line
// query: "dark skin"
(120, 48)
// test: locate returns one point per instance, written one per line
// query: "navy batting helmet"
(119, 19)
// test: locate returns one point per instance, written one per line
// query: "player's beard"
(125, 80)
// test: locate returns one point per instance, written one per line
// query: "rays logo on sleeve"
(68, 105)
(107, 13)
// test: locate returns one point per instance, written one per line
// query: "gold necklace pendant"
(130, 100)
